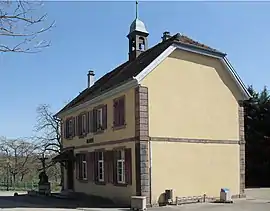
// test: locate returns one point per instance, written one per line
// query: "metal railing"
(25, 186)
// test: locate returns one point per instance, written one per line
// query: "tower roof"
(137, 25)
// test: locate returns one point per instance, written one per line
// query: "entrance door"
(70, 179)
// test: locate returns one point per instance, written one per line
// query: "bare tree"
(18, 155)
(49, 135)
(48, 128)
(21, 25)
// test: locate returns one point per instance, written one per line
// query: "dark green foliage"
(257, 133)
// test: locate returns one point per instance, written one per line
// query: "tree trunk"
(14, 179)
(22, 176)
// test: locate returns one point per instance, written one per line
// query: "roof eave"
(245, 91)
(206, 50)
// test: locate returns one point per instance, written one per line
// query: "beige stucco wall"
(118, 194)
(194, 169)
(192, 96)
(109, 134)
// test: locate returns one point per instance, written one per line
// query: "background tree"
(257, 133)
(21, 25)
(17, 158)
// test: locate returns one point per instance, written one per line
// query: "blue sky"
(92, 35)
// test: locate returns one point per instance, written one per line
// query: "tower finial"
(137, 9)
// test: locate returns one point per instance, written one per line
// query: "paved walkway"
(257, 200)
(258, 193)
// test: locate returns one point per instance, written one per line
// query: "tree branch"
(19, 19)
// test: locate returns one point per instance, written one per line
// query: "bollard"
(204, 197)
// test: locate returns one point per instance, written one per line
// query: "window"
(100, 166)
(119, 112)
(84, 170)
(99, 119)
(83, 124)
(112, 166)
(81, 167)
(141, 44)
(69, 127)
(120, 166)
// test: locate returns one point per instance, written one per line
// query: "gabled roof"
(130, 69)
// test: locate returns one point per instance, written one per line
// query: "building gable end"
(173, 47)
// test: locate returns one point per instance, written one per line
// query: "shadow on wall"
(25, 201)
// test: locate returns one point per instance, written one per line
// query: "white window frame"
(121, 162)
(99, 118)
(83, 123)
(70, 128)
(84, 170)
(101, 167)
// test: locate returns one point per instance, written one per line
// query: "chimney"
(91, 78)
(166, 35)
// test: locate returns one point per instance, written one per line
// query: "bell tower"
(137, 37)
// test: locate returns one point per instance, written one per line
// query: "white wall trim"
(171, 48)
(236, 77)
(110, 93)
(155, 63)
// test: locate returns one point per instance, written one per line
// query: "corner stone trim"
(142, 145)
(242, 148)
(141, 113)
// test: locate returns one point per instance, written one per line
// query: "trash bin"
(225, 195)
(168, 196)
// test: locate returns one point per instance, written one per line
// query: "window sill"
(100, 183)
(83, 180)
(119, 127)
(99, 132)
(82, 136)
(121, 184)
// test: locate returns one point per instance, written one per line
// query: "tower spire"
(137, 9)
(137, 37)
